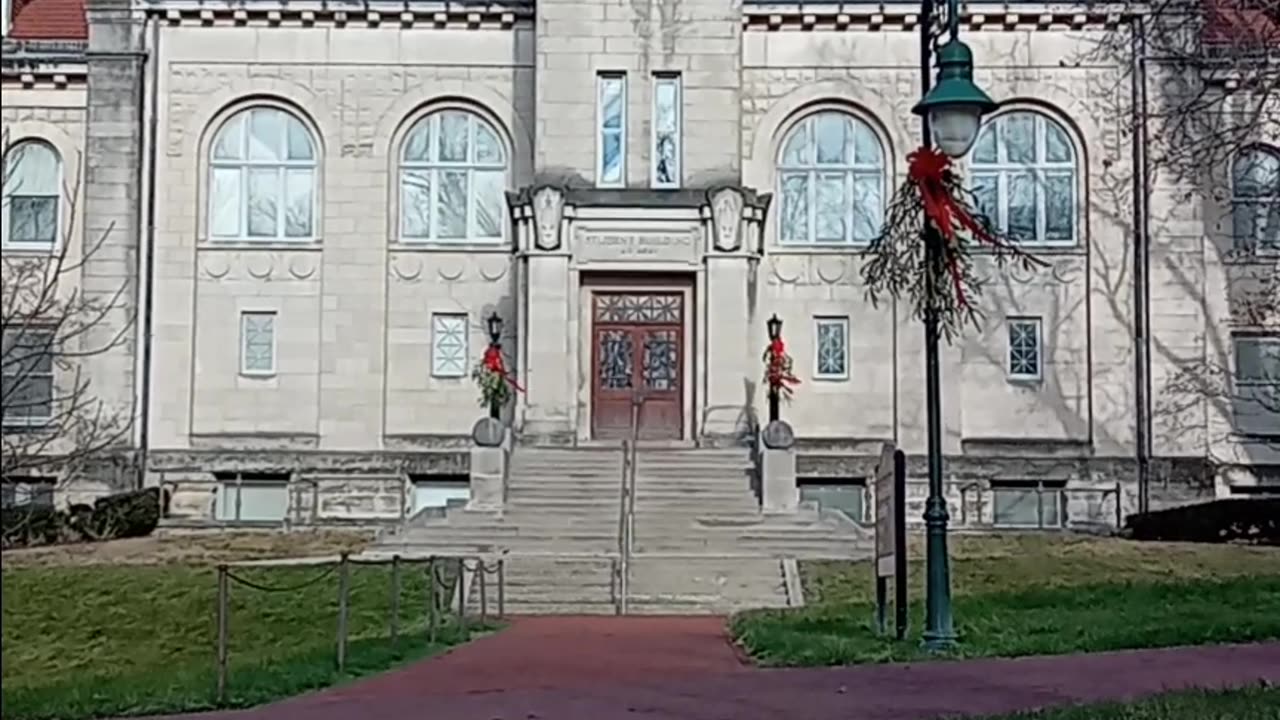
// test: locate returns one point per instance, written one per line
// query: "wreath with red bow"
(897, 264)
(778, 368)
(496, 383)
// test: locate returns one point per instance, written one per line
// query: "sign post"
(891, 538)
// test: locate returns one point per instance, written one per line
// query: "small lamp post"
(494, 325)
(774, 326)
(952, 111)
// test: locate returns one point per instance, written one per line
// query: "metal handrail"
(627, 504)
(620, 568)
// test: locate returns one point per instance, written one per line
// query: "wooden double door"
(637, 357)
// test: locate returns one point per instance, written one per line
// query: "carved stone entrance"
(637, 353)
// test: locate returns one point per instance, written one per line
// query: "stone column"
(489, 455)
(111, 175)
(779, 492)
(550, 347)
(732, 367)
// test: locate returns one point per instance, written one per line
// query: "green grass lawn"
(82, 642)
(1030, 595)
(1248, 704)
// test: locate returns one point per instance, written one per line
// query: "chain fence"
(448, 582)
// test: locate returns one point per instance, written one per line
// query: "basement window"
(847, 495)
(437, 492)
(1028, 503)
(252, 497)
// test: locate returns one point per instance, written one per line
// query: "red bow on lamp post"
(778, 374)
(491, 374)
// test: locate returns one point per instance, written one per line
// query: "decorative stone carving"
(302, 267)
(492, 268)
(548, 208)
(726, 212)
(259, 265)
(608, 244)
(488, 432)
(451, 269)
(406, 267)
(214, 265)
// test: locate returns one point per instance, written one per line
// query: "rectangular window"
(258, 343)
(832, 348)
(449, 345)
(667, 148)
(611, 138)
(252, 497)
(31, 493)
(846, 496)
(1025, 349)
(1027, 504)
(1257, 381)
(28, 361)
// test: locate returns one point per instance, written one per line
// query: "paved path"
(561, 668)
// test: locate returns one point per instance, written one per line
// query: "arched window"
(32, 194)
(262, 185)
(1023, 174)
(1255, 198)
(831, 182)
(453, 172)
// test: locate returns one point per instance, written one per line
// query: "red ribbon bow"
(493, 363)
(777, 374)
(927, 169)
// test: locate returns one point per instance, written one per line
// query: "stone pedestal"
(778, 468)
(489, 456)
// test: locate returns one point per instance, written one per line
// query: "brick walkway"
(561, 668)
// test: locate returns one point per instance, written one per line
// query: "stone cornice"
(462, 14)
(853, 16)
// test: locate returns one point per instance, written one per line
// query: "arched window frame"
(855, 170)
(244, 166)
(425, 127)
(1263, 203)
(991, 182)
(14, 196)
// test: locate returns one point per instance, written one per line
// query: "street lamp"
(952, 111)
(494, 325)
(774, 326)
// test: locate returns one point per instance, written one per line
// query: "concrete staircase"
(700, 542)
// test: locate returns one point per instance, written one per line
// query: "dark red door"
(637, 353)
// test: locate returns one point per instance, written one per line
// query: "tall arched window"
(262, 184)
(1023, 174)
(1255, 198)
(453, 173)
(32, 195)
(831, 182)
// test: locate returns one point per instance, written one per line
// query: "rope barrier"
(287, 588)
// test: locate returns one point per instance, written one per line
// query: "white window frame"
(1245, 389)
(438, 321)
(673, 80)
(244, 165)
(9, 192)
(1252, 242)
(1039, 168)
(244, 339)
(812, 171)
(1050, 496)
(819, 321)
(1038, 324)
(602, 79)
(51, 376)
(434, 167)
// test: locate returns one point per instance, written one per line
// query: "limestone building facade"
(315, 208)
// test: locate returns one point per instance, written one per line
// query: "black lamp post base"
(939, 633)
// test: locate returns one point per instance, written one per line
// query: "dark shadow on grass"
(1043, 621)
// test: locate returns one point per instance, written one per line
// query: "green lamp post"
(952, 111)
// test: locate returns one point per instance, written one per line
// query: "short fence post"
(224, 590)
(502, 589)
(461, 585)
(484, 598)
(343, 586)
(395, 601)
(432, 606)
(1119, 507)
(1040, 505)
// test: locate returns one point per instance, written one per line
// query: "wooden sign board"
(886, 530)
(891, 537)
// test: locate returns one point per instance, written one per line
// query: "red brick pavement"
(572, 668)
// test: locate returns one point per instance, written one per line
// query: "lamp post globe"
(955, 105)
(494, 323)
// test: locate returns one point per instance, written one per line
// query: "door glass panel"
(615, 349)
(661, 360)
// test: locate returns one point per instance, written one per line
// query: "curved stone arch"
(1079, 147)
(213, 117)
(777, 121)
(515, 143)
(71, 170)
(490, 104)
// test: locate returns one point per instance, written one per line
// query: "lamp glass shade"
(495, 327)
(774, 326)
(955, 127)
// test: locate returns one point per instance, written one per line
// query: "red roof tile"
(49, 20)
